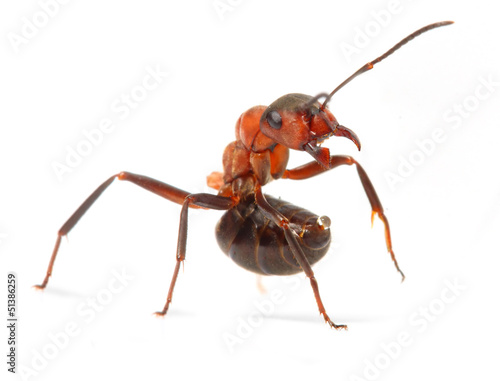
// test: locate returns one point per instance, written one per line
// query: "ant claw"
(340, 326)
(332, 324)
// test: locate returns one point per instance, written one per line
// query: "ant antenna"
(369, 65)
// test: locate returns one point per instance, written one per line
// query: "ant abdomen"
(259, 245)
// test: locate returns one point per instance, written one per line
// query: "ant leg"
(291, 237)
(204, 200)
(314, 168)
(260, 285)
(157, 187)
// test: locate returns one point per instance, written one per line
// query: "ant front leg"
(291, 237)
(313, 168)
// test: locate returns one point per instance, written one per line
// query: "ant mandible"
(265, 235)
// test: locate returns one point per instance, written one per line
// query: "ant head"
(300, 122)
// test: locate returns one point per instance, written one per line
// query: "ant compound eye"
(274, 119)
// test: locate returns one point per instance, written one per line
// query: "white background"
(443, 215)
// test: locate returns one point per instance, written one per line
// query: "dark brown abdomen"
(259, 245)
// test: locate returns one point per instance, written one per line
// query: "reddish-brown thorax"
(251, 159)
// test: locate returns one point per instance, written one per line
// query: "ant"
(263, 234)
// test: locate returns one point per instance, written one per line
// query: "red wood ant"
(263, 234)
